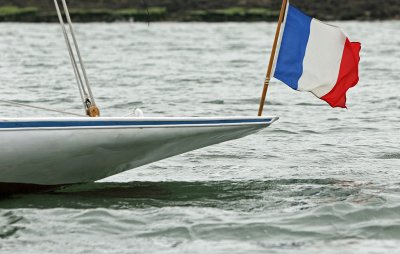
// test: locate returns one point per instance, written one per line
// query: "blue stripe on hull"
(55, 124)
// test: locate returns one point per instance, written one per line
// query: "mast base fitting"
(93, 111)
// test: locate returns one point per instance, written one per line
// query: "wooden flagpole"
(272, 57)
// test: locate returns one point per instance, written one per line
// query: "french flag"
(316, 57)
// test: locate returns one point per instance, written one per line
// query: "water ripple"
(320, 180)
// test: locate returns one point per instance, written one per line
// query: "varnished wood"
(271, 59)
(93, 111)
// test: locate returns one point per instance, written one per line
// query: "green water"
(320, 180)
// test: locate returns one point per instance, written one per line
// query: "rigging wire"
(72, 57)
(78, 51)
(83, 82)
(41, 108)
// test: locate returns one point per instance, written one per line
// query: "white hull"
(57, 151)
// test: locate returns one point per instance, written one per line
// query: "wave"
(8, 221)
(309, 104)
(219, 102)
(390, 156)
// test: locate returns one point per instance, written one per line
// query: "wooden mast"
(272, 57)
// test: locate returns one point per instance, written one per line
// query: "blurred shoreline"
(201, 11)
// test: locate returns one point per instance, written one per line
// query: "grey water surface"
(319, 180)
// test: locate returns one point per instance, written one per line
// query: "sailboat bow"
(54, 151)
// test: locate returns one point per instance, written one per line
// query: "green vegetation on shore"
(193, 10)
(233, 14)
(32, 14)
(12, 13)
